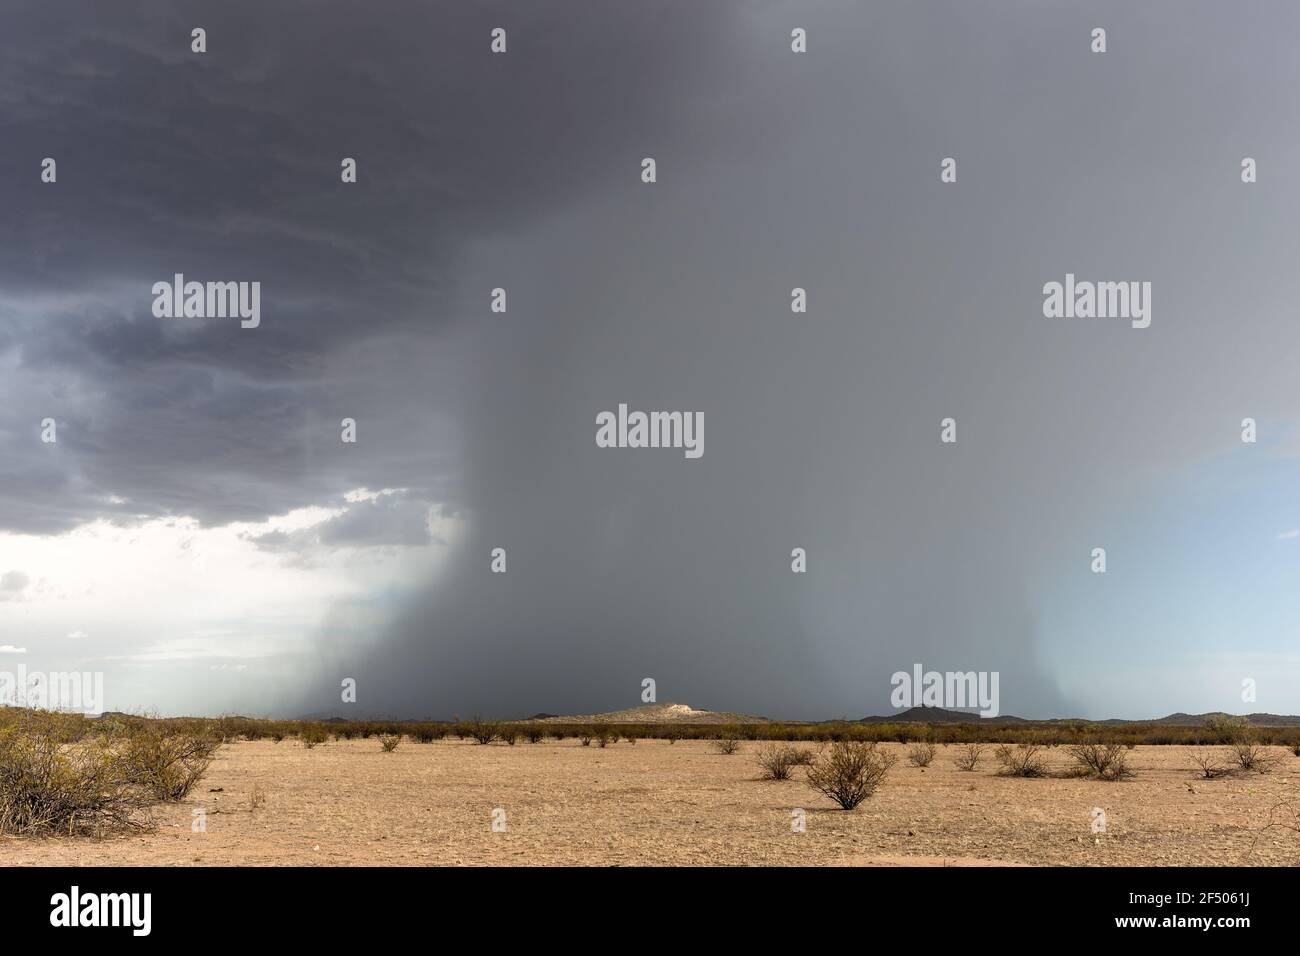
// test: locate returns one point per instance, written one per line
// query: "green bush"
(483, 732)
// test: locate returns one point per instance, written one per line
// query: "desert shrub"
(559, 733)
(534, 733)
(1296, 750)
(632, 736)
(1244, 746)
(482, 732)
(1228, 730)
(673, 734)
(277, 736)
(389, 742)
(850, 772)
(508, 734)
(921, 753)
(1252, 756)
(586, 736)
(603, 735)
(110, 728)
(777, 760)
(1023, 760)
(968, 757)
(726, 746)
(1213, 763)
(1108, 761)
(167, 764)
(427, 735)
(312, 735)
(799, 757)
(51, 781)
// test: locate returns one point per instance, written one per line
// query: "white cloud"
(165, 594)
(1289, 535)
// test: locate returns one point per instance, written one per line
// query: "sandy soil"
(660, 803)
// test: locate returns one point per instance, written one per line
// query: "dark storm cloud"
(225, 166)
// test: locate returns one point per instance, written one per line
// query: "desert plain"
(346, 802)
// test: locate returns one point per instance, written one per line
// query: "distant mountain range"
(937, 715)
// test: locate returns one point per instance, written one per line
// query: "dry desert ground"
(659, 803)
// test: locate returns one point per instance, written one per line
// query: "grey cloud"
(226, 166)
(12, 585)
(394, 519)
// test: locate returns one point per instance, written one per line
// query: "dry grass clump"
(727, 746)
(389, 742)
(313, 735)
(850, 772)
